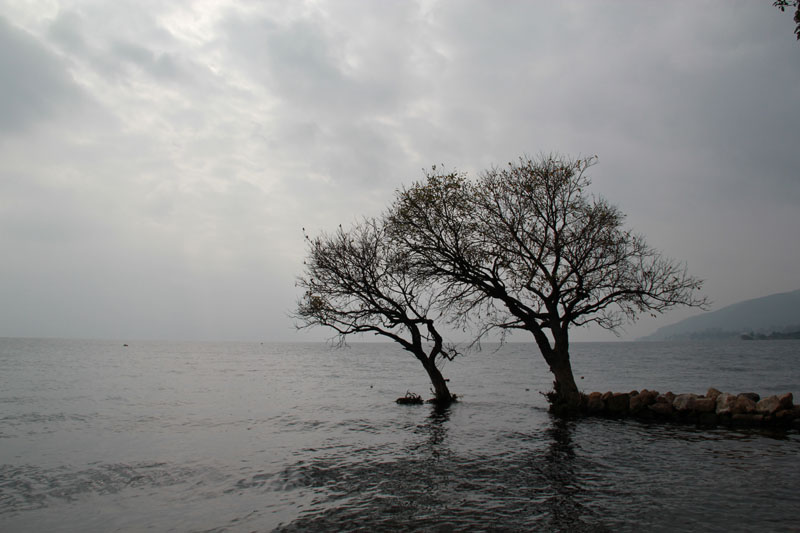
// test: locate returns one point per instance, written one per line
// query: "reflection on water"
(561, 470)
(435, 488)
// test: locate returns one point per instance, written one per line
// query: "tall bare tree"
(361, 281)
(526, 247)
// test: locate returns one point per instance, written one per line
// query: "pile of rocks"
(410, 399)
(714, 407)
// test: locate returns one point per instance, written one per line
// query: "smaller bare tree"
(360, 281)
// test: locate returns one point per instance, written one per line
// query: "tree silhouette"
(526, 247)
(361, 281)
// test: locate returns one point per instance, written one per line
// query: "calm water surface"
(95, 436)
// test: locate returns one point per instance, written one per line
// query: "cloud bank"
(158, 160)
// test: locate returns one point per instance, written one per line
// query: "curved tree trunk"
(441, 391)
(566, 396)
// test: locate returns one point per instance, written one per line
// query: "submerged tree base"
(713, 408)
(563, 405)
(565, 409)
(443, 402)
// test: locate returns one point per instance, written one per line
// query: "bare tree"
(526, 247)
(360, 281)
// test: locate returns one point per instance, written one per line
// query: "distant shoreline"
(775, 335)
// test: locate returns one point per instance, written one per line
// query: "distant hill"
(774, 313)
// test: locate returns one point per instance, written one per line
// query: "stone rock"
(785, 415)
(595, 403)
(618, 403)
(684, 402)
(663, 398)
(752, 395)
(747, 419)
(705, 405)
(648, 397)
(636, 405)
(713, 393)
(642, 400)
(662, 408)
(744, 404)
(786, 400)
(714, 407)
(768, 405)
(725, 403)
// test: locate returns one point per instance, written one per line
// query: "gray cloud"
(36, 87)
(159, 159)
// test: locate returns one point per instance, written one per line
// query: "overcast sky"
(159, 159)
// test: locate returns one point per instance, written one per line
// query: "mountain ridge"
(765, 315)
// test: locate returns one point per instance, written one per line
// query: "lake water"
(95, 436)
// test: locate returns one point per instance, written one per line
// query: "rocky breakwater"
(712, 408)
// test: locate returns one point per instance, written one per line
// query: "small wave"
(45, 423)
(531, 490)
(28, 487)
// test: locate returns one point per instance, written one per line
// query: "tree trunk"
(441, 391)
(566, 398)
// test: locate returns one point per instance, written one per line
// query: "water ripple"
(27, 487)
